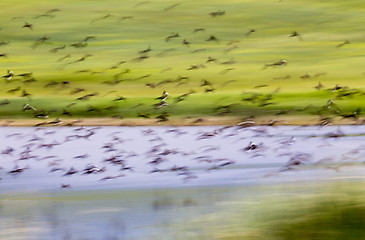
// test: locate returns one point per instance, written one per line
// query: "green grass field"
(210, 64)
(330, 211)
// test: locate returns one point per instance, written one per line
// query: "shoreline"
(191, 121)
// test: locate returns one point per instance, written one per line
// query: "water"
(152, 181)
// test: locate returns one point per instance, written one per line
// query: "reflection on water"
(127, 214)
(143, 182)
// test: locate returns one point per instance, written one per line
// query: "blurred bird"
(172, 6)
(280, 63)
(217, 13)
(198, 30)
(212, 38)
(9, 75)
(28, 25)
(344, 43)
(163, 97)
(250, 31)
(54, 50)
(296, 34)
(186, 42)
(173, 35)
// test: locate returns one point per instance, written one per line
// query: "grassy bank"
(324, 211)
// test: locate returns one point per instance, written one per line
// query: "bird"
(342, 44)
(40, 41)
(163, 97)
(212, 38)
(9, 75)
(28, 25)
(198, 30)
(295, 34)
(54, 50)
(172, 6)
(173, 35)
(217, 13)
(280, 63)
(250, 31)
(186, 42)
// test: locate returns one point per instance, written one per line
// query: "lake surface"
(143, 182)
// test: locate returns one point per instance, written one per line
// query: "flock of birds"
(22, 81)
(67, 156)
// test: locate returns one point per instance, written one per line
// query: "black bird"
(250, 31)
(280, 63)
(71, 171)
(17, 170)
(198, 30)
(211, 59)
(172, 6)
(296, 34)
(344, 43)
(25, 94)
(14, 90)
(40, 41)
(186, 42)
(87, 38)
(147, 50)
(79, 44)
(28, 25)
(217, 13)
(173, 35)
(212, 38)
(54, 50)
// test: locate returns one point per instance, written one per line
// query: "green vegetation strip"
(113, 59)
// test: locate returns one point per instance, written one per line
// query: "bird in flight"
(280, 63)
(28, 25)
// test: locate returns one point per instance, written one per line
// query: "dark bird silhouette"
(17, 170)
(28, 25)
(250, 31)
(14, 90)
(9, 75)
(40, 41)
(109, 15)
(211, 59)
(217, 13)
(25, 94)
(319, 86)
(186, 42)
(280, 63)
(173, 35)
(145, 51)
(296, 34)
(79, 45)
(172, 6)
(54, 50)
(212, 38)
(198, 30)
(87, 38)
(343, 44)
(71, 171)
(205, 82)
